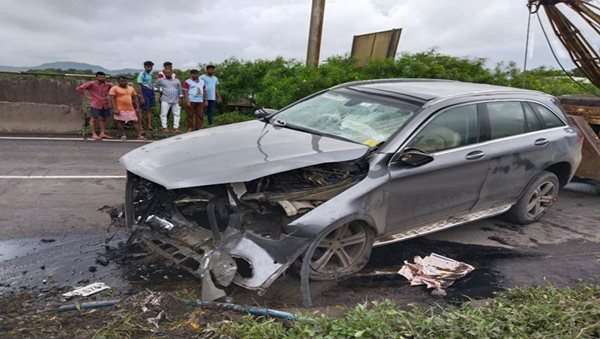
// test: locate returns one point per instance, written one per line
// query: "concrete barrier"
(40, 105)
(30, 117)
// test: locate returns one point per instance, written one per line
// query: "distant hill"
(66, 65)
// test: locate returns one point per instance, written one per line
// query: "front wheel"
(343, 251)
(538, 196)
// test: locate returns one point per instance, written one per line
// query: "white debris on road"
(87, 290)
(435, 271)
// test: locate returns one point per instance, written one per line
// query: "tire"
(536, 199)
(343, 251)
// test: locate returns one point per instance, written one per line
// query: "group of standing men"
(198, 92)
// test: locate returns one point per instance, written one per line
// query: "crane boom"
(580, 50)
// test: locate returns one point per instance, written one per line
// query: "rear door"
(449, 184)
(521, 144)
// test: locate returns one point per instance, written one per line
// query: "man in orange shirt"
(124, 103)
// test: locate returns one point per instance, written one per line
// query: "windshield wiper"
(282, 123)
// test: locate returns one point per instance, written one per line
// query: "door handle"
(475, 155)
(541, 142)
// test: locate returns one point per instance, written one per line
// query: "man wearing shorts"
(97, 92)
(212, 91)
(171, 94)
(147, 101)
(123, 101)
(195, 98)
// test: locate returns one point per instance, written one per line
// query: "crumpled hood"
(234, 153)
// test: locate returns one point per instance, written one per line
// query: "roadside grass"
(537, 312)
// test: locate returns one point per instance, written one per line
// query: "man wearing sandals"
(124, 103)
(171, 94)
(97, 92)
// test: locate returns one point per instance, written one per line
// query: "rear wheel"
(537, 198)
(343, 251)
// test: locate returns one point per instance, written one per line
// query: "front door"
(448, 185)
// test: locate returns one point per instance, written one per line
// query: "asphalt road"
(53, 187)
(50, 191)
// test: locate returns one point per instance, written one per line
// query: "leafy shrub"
(231, 118)
(279, 82)
(538, 312)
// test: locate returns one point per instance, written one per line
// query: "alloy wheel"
(543, 196)
(340, 250)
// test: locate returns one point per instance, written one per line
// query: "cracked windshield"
(349, 115)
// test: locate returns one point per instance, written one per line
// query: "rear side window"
(452, 128)
(549, 119)
(533, 122)
(506, 119)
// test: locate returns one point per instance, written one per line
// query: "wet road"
(54, 187)
(52, 236)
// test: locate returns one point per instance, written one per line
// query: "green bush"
(539, 312)
(231, 118)
(279, 82)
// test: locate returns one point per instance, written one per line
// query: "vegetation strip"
(519, 313)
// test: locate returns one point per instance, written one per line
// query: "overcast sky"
(121, 34)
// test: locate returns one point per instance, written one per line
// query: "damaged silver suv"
(315, 185)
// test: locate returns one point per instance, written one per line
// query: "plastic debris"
(87, 290)
(87, 306)
(259, 311)
(154, 320)
(435, 271)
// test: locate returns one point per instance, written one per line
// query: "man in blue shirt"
(212, 91)
(146, 93)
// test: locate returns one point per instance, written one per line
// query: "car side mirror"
(262, 113)
(413, 157)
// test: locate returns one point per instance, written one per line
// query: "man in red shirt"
(97, 92)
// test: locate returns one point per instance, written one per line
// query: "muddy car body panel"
(395, 159)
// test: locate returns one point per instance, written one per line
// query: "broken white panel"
(434, 271)
(87, 290)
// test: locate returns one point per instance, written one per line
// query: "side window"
(533, 123)
(506, 119)
(549, 119)
(452, 128)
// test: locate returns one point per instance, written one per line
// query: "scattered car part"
(88, 290)
(434, 271)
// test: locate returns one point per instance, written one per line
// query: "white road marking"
(63, 176)
(72, 139)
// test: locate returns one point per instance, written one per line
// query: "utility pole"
(314, 34)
